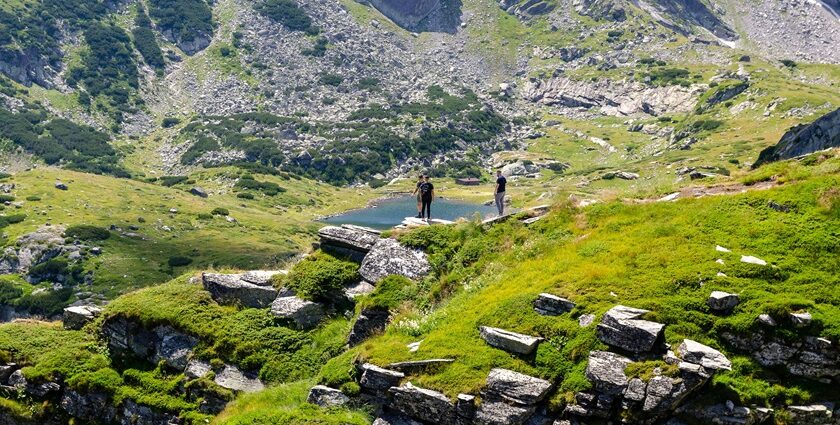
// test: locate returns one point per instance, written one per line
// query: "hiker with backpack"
(427, 193)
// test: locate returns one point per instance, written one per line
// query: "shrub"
(87, 233)
(48, 303)
(179, 261)
(6, 198)
(4, 176)
(245, 195)
(319, 275)
(170, 122)
(788, 63)
(9, 291)
(220, 211)
(145, 41)
(170, 181)
(33, 198)
(6, 220)
(331, 80)
(288, 13)
(706, 125)
(205, 216)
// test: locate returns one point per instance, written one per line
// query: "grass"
(656, 256)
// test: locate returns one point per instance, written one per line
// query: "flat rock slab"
(621, 327)
(262, 277)
(232, 378)
(349, 237)
(358, 289)
(498, 412)
(552, 305)
(231, 289)
(606, 372)
(389, 257)
(708, 357)
(379, 379)
(77, 317)
(420, 403)
(511, 342)
(305, 314)
(326, 397)
(517, 387)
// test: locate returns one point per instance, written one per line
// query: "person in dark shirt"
(419, 196)
(501, 186)
(427, 193)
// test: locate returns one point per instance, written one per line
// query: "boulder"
(708, 357)
(232, 378)
(77, 317)
(388, 257)
(801, 320)
(552, 305)
(394, 418)
(465, 407)
(517, 387)
(749, 259)
(591, 405)
(635, 391)
(261, 277)
(358, 289)
(621, 327)
(723, 301)
(39, 390)
(174, 348)
(138, 414)
(61, 186)
(304, 314)
(197, 369)
(606, 372)
(814, 414)
(200, 192)
(509, 341)
(377, 379)
(92, 408)
(6, 371)
(422, 404)
(350, 241)
(497, 412)
(231, 289)
(126, 337)
(326, 397)
(371, 321)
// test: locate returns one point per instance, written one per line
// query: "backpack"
(425, 189)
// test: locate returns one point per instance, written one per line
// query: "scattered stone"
(816, 414)
(708, 357)
(326, 397)
(552, 305)
(232, 378)
(76, 318)
(606, 372)
(722, 301)
(358, 289)
(621, 327)
(305, 314)
(388, 257)
(719, 248)
(509, 341)
(585, 320)
(753, 260)
(623, 175)
(61, 186)
(200, 192)
(766, 320)
(231, 289)
(517, 387)
(377, 379)
(425, 405)
(801, 320)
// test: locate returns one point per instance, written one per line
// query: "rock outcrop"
(302, 313)
(824, 133)
(232, 289)
(809, 357)
(326, 397)
(371, 321)
(405, 13)
(77, 317)
(621, 327)
(348, 241)
(511, 342)
(552, 305)
(389, 257)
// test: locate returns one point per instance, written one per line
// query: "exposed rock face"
(552, 305)
(232, 378)
(406, 13)
(27, 67)
(517, 387)
(511, 342)
(708, 357)
(350, 241)
(173, 347)
(389, 257)
(90, 407)
(326, 397)
(497, 412)
(33, 249)
(231, 289)
(615, 98)
(77, 317)
(606, 372)
(371, 321)
(126, 337)
(810, 357)
(621, 327)
(304, 314)
(425, 405)
(822, 134)
(377, 379)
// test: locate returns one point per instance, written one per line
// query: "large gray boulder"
(231, 289)
(350, 241)
(304, 314)
(517, 387)
(708, 357)
(76, 317)
(606, 372)
(511, 342)
(326, 397)
(824, 133)
(552, 305)
(498, 412)
(173, 347)
(425, 405)
(621, 327)
(232, 378)
(377, 379)
(389, 257)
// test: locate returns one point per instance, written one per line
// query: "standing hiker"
(427, 193)
(499, 192)
(419, 196)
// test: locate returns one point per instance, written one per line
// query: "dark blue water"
(389, 213)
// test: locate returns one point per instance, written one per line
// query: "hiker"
(419, 196)
(501, 183)
(427, 193)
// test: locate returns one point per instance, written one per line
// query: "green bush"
(6, 198)
(205, 216)
(170, 122)
(320, 275)
(220, 211)
(788, 63)
(9, 291)
(179, 261)
(48, 303)
(245, 195)
(33, 198)
(331, 80)
(85, 232)
(288, 13)
(145, 41)
(6, 220)
(170, 181)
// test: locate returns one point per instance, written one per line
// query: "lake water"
(391, 212)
